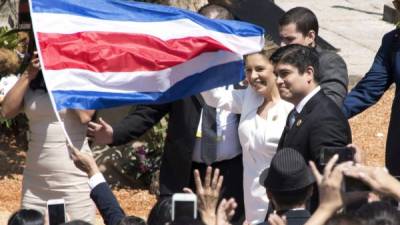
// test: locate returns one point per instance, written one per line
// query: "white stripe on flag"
(69, 24)
(128, 82)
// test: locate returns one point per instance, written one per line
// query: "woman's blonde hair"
(269, 48)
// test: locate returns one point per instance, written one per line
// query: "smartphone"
(353, 184)
(56, 211)
(184, 206)
(345, 154)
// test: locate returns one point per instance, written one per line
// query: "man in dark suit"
(300, 26)
(385, 72)
(185, 148)
(316, 121)
(289, 183)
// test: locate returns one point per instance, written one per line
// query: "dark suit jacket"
(107, 205)
(295, 217)
(334, 76)
(384, 72)
(184, 116)
(321, 123)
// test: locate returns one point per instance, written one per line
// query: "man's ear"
(310, 38)
(310, 73)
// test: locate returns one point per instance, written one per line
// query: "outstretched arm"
(372, 86)
(229, 100)
(100, 193)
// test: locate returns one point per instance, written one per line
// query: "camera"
(184, 206)
(56, 211)
(345, 154)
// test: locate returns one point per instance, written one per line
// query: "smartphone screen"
(344, 153)
(184, 210)
(56, 214)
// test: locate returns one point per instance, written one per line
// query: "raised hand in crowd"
(377, 178)
(207, 194)
(100, 133)
(33, 68)
(83, 161)
(329, 187)
(225, 211)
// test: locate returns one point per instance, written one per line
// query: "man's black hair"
(161, 212)
(377, 213)
(298, 56)
(132, 220)
(291, 199)
(26, 217)
(345, 219)
(76, 222)
(304, 19)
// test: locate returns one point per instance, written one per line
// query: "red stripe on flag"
(120, 52)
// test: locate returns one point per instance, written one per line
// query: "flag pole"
(44, 77)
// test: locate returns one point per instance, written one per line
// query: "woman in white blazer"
(263, 117)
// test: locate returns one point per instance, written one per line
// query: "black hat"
(288, 172)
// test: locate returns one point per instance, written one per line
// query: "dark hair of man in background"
(132, 220)
(292, 199)
(26, 216)
(298, 56)
(161, 212)
(215, 11)
(304, 19)
(345, 219)
(377, 213)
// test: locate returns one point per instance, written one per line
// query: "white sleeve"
(230, 100)
(96, 180)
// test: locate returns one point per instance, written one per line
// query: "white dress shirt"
(259, 138)
(228, 145)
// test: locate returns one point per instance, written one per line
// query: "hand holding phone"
(56, 211)
(184, 206)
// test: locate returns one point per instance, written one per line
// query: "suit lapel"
(289, 134)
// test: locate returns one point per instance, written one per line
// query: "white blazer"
(259, 138)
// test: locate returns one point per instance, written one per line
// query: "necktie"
(292, 117)
(208, 139)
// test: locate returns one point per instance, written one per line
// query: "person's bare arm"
(12, 103)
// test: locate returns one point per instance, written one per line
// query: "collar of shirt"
(304, 101)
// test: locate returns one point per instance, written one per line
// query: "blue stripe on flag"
(123, 10)
(230, 73)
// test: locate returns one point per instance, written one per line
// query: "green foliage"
(9, 41)
(6, 122)
(145, 159)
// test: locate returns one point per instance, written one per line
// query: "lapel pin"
(298, 123)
